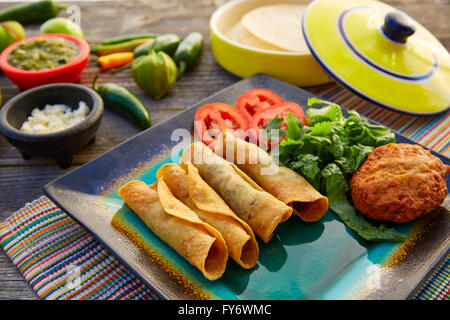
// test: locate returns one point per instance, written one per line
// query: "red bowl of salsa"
(45, 59)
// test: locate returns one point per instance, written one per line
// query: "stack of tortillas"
(272, 27)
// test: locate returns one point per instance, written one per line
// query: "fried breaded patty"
(399, 182)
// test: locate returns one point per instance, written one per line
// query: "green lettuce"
(336, 187)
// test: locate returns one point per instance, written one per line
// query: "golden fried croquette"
(399, 182)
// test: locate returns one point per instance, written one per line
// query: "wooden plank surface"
(21, 180)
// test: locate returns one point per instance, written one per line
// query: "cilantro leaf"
(308, 165)
(321, 128)
(294, 127)
(273, 124)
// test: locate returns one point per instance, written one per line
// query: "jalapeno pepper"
(124, 101)
(128, 37)
(143, 49)
(188, 52)
(167, 43)
(127, 46)
(32, 12)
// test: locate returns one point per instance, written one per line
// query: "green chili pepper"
(128, 37)
(188, 52)
(121, 68)
(143, 49)
(127, 46)
(124, 101)
(167, 43)
(32, 12)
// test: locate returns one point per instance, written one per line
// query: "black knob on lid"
(398, 26)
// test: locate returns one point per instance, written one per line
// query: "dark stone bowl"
(59, 145)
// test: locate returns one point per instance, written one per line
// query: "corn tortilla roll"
(197, 195)
(179, 227)
(283, 183)
(262, 211)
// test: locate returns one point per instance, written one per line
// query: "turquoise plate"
(320, 260)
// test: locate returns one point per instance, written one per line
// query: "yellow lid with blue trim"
(379, 53)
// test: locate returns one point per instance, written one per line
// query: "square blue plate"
(321, 260)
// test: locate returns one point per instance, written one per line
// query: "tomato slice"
(254, 100)
(212, 118)
(265, 115)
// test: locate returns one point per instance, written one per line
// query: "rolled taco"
(175, 224)
(283, 183)
(262, 211)
(197, 195)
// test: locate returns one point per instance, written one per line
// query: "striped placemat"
(438, 285)
(62, 260)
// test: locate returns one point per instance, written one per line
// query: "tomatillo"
(61, 25)
(154, 73)
(10, 32)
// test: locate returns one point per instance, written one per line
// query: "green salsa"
(43, 53)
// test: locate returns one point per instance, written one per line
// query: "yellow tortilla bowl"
(297, 68)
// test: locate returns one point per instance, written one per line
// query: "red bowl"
(68, 73)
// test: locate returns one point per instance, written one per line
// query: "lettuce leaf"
(356, 222)
(360, 130)
(335, 187)
(332, 112)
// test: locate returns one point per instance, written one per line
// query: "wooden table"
(21, 181)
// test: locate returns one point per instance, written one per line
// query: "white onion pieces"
(54, 118)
